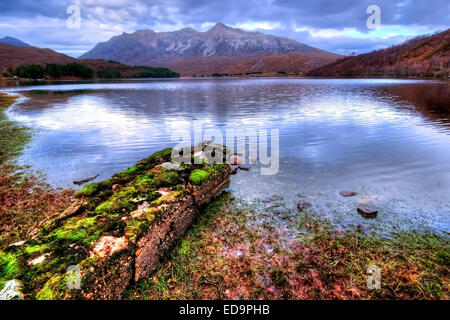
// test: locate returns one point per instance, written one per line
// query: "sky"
(337, 26)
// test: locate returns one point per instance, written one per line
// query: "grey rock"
(169, 166)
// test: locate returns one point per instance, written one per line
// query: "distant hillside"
(13, 42)
(426, 56)
(221, 49)
(12, 57)
(281, 64)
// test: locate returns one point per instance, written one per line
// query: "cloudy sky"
(337, 26)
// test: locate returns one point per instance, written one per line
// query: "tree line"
(53, 70)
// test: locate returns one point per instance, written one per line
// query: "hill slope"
(426, 56)
(13, 42)
(14, 56)
(221, 49)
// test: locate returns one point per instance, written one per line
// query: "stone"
(367, 211)
(273, 198)
(11, 290)
(169, 166)
(303, 206)
(106, 246)
(17, 244)
(346, 193)
(38, 260)
(163, 191)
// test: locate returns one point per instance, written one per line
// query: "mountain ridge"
(221, 42)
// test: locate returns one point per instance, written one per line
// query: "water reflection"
(385, 139)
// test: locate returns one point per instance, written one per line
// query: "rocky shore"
(119, 239)
(115, 232)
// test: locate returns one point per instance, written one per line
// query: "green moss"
(119, 201)
(157, 178)
(95, 188)
(54, 289)
(88, 190)
(130, 173)
(198, 176)
(167, 179)
(82, 230)
(164, 154)
(144, 182)
(9, 267)
(135, 228)
(37, 248)
(219, 167)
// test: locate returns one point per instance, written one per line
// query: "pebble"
(346, 193)
(367, 212)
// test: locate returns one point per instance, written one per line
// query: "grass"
(222, 258)
(25, 199)
(13, 137)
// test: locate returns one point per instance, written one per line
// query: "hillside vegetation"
(425, 56)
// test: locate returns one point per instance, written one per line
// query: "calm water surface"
(388, 140)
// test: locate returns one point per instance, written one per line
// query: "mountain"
(14, 56)
(425, 56)
(13, 42)
(214, 51)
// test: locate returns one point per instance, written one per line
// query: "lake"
(387, 140)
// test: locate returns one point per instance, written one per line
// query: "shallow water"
(387, 140)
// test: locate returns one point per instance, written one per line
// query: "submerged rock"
(367, 211)
(346, 193)
(303, 206)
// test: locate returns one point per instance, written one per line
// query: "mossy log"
(115, 232)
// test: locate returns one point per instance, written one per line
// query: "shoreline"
(188, 77)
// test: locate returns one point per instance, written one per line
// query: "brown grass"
(222, 258)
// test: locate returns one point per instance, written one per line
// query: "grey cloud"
(140, 14)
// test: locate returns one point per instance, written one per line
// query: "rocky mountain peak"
(146, 47)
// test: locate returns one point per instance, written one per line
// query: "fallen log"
(115, 232)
